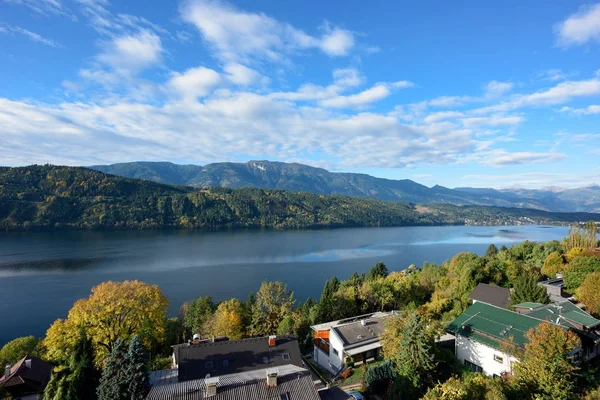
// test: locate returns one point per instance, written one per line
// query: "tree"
(589, 293)
(115, 310)
(77, 379)
(228, 320)
(471, 387)
(378, 377)
(526, 289)
(492, 251)
(273, 303)
(136, 371)
(18, 348)
(554, 264)
(545, 368)
(409, 342)
(196, 313)
(578, 269)
(286, 326)
(585, 237)
(379, 270)
(113, 385)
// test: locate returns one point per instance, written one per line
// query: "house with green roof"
(484, 333)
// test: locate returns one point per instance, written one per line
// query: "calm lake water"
(42, 274)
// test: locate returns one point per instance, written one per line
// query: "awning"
(362, 349)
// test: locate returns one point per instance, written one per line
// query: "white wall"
(483, 356)
(321, 358)
(337, 344)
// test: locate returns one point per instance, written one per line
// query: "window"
(474, 367)
(286, 356)
(498, 359)
(336, 352)
(265, 360)
(208, 364)
(225, 363)
(285, 396)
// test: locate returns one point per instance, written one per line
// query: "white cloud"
(555, 74)
(532, 180)
(45, 7)
(347, 77)
(500, 157)
(496, 120)
(237, 35)
(132, 52)
(496, 89)
(337, 42)
(441, 115)
(194, 83)
(363, 98)
(449, 101)
(589, 110)
(30, 35)
(581, 27)
(241, 75)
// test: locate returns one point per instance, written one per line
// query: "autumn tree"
(196, 314)
(589, 293)
(471, 387)
(115, 310)
(18, 348)
(585, 237)
(526, 289)
(273, 303)
(554, 264)
(578, 269)
(227, 320)
(545, 368)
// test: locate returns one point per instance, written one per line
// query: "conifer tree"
(136, 371)
(526, 289)
(113, 385)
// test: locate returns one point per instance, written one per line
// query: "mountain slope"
(49, 197)
(299, 177)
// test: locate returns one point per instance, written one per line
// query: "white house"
(355, 339)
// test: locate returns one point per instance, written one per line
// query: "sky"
(482, 94)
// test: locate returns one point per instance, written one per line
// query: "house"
(355, 339)
(226, 357)
(27, 379)
(555, 288)
(494, 295)
(484, 333)
(286, 382)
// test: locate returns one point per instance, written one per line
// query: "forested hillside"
(51, 197)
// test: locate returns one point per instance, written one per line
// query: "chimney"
(272, 377)
(272, 341)
(211, 386)
(7, 371)
(196, 338)
(363, 322)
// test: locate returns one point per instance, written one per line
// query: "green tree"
(18, 348)
(273, 303)
(78, 379)
(135, 370)
(377, 377)
(578, 269)
(492, 251)
(113, 385)
(526, 289)
(379, 270)
(196, 313)
(545, 369)
(286, 326)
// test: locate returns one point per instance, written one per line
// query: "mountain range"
(304, 178)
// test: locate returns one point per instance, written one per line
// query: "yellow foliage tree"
(589, 293)
(115, 310)
(227, 320)
(574, 252)
(553, 264)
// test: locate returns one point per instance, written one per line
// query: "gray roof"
(228, 357)
(295, 381)
(489, 294)
(354, 333)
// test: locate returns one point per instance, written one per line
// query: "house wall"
(321, 358)
(337, 345)
(482, 356)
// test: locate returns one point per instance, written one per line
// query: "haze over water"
(42, 274)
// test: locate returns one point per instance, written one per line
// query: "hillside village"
(519, 322)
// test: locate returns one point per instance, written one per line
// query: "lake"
(42, 274)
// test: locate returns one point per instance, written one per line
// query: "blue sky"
(470, 94)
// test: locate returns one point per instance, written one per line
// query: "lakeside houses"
(27, 379)
(485, 333)
(352, 340)
(253, 368)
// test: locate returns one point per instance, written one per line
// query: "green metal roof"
(493, 325)
(564, 312)
(529, 305)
